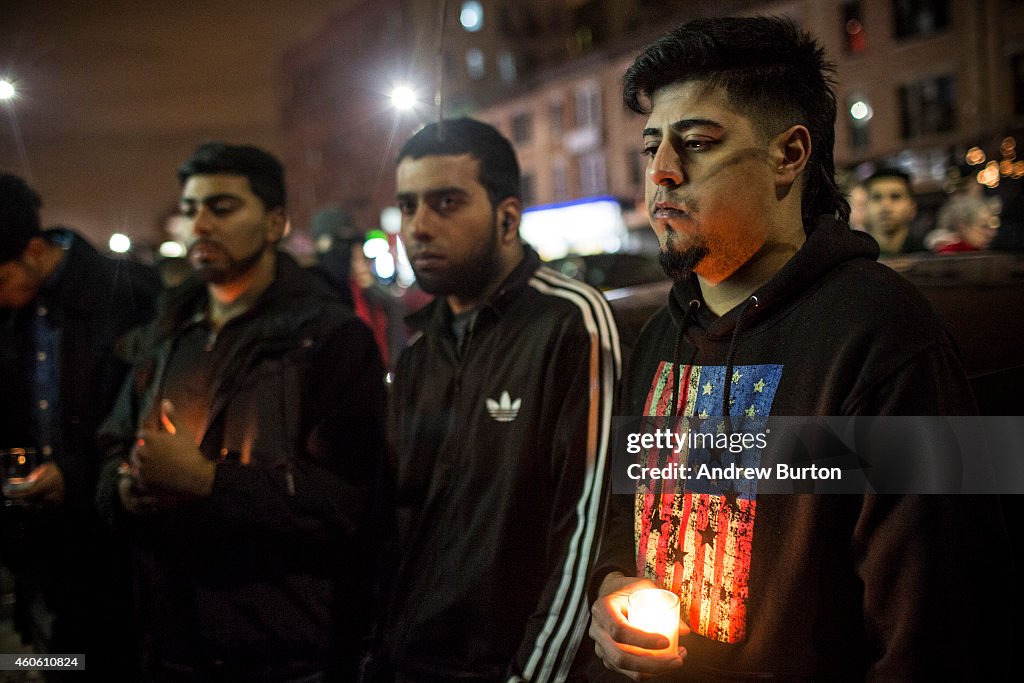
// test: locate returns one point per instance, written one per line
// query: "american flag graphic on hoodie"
(695, 538)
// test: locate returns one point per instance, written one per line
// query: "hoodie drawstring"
(752, 302)
(677, 356)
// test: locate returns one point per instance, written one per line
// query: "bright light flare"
(7, 90)
(384, 265)
(861, 111)
(376, 245)
(120, 243)
(172, 250)
(403, 98)
(472, 16)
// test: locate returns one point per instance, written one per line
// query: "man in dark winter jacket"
(499, 421)
(243, 448)
(778, 308)
(66, 312)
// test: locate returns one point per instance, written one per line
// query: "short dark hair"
(19, 216)
(889, 172)
(499, 169)
(264, 172)
(773, 72)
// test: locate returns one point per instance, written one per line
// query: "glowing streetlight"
(861, 111)
(7, 90)
(472, 16)
(403, 98)
(171, 249)
(120, 243)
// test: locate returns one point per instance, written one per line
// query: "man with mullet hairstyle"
(778, 308)
(499, 420)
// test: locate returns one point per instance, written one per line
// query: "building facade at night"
(920, 82)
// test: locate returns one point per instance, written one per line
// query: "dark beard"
(234, 270)
(471, 278)
(679, 264)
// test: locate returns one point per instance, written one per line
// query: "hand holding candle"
(656, 611)
(637, 650)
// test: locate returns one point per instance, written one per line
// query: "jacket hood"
(828, 245)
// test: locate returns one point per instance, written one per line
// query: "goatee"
(679, 264)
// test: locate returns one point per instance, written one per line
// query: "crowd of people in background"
(884, 206)
(256, 471)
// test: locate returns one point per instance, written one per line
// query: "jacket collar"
(829, 244)
(436, 316)
(280, 304)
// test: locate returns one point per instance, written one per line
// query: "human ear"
(279, 226)
(791, 150)
(509, 213)
(34, 252)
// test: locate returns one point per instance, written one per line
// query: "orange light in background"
(975, 156)
(1018, 170)
(1005, 167)
(1008, 148)
(989, 176)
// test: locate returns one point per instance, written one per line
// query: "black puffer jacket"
(242, 584)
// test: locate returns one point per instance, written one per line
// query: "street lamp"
(120, 243)
(8, 93)
(403, 98)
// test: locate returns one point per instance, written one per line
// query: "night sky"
(115, 94)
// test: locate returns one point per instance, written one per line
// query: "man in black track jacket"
(498, 423)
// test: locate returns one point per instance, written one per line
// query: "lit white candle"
(656, 611)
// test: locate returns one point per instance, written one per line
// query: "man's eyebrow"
(432, 192)
(211, 198)
(685, 124)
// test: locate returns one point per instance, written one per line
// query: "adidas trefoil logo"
(504, 409)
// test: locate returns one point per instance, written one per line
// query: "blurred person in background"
(340, 259)
(66, 314)
(890, 212)
(858, 198)
(965, 224)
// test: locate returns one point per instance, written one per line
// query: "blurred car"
(978, 297)
(610, 271)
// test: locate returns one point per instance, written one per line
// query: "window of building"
(528, 189)
(588, 106)
(560, 179)
(507, 66)
(854, 38)
(472, 16)
(522, 127)
(592, 174)
(475, 67)
(915, 18)
(637, 165)
(556, 114)
(927, 106)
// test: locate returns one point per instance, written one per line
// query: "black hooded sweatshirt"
(812, 587)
